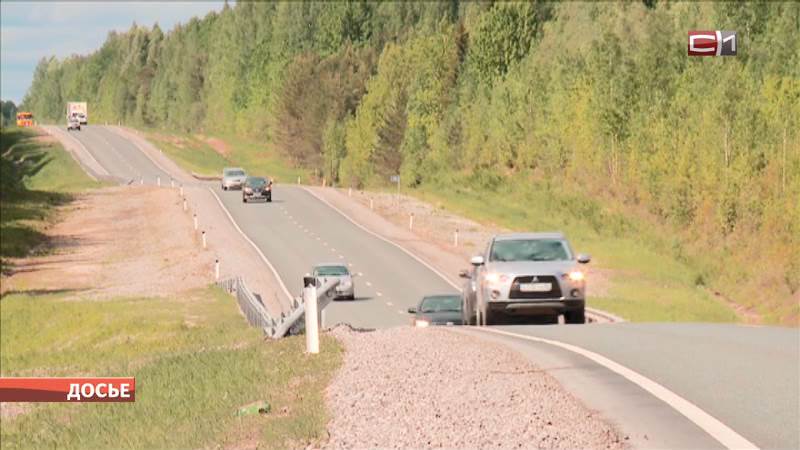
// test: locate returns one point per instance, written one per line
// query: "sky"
(31, 30)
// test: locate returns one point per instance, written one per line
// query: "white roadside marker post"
(195, 222)
(371, 204)
(216, 269)
(323, 181)
(411, 221)
(181, 190)
(171, 183)
(311, 318)
(184, 204)
(298, 180)
(204, 239)
(455, 238)
(141, 180)
(158, 181)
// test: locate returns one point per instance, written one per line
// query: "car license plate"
(535, 287)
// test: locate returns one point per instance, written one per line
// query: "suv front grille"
(554, 292)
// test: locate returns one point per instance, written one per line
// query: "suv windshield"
(331, 271)
(529, 250)
(449, 303)
(234, 173)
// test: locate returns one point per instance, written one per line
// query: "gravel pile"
(421, 388)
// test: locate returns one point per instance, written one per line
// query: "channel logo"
(712, 43)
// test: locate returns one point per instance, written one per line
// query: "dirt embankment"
(119, 241)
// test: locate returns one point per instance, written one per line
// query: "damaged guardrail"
(277, 327)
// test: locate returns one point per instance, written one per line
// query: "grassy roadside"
(195, 153)
(36, 176)
(195, 359)
(195, 363)
(648, 283)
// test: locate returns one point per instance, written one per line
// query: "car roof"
(454, 294)
(228, 169)
(336, 264)
(520, 236)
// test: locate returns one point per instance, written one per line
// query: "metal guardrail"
(257, 315)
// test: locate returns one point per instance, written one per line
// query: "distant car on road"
(257, 188)
(73, 124)
(526, 274)
(233, 178)
(438, 310)
(332, 271)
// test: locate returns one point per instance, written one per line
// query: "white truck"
(77, 110)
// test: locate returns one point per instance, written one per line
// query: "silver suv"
(338, 271)
(525, 274)
(233, 178)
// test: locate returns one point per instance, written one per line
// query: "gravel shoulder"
(432, 388)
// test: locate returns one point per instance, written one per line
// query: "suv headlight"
(496, 278)
(576, 276)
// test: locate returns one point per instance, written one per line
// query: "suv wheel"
(578, 316)
(244, 199)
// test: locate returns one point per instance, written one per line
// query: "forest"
(598, 100)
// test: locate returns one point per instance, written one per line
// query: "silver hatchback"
(338, 271)
(526, 274)
(233, 178)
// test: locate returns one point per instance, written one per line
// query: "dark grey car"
(438, 310)
(257, 188)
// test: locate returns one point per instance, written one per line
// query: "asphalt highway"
(748, 378)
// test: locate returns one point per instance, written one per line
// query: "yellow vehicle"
(24, 119)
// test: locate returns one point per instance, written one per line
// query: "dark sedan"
(438, 310)
(257, 188)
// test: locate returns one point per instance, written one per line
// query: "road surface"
(747, 378)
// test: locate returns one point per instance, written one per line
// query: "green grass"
(36, 177)
(196, 155)
(195, 361)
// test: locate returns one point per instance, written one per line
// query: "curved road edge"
(636, 412)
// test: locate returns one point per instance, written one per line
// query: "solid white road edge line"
(258, 250)
(417, 258)
(75, 140)
(716, 429)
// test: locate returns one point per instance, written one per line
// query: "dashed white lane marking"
(349, 264)
(389, 304)
(379, 294)
(361, 274)
(324, 244)
(400, 311)
(716, 429)
(409, 253)
(368, 283)
(318, 238)
(341, 256)
(333, 249)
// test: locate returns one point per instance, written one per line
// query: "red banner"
(87, 389)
